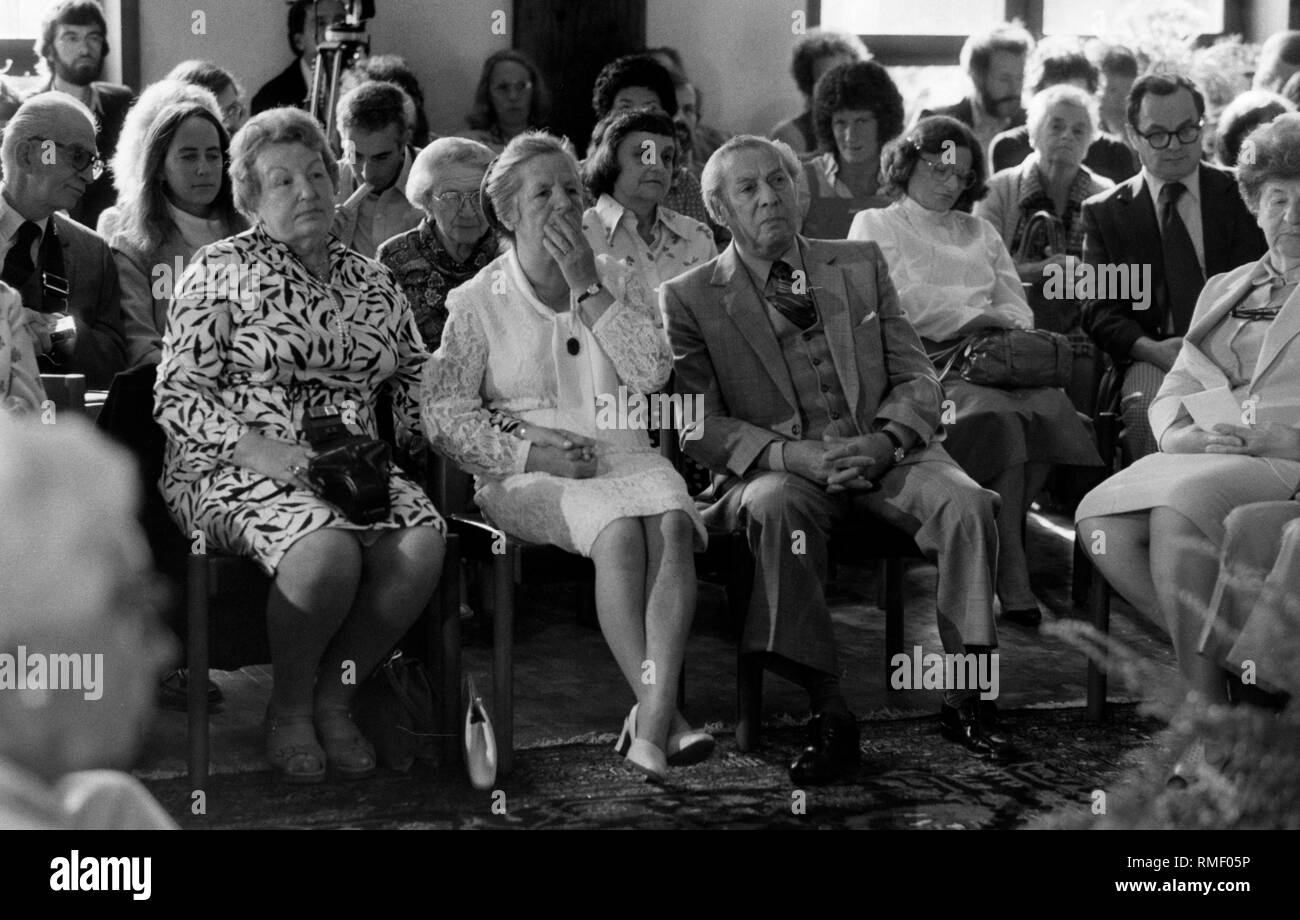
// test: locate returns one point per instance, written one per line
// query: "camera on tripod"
(349, 470)
(347, 41)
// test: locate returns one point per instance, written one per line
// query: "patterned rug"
(910, 778)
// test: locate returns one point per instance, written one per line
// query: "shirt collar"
(611, 213)
(11, 220)
(761, 268)
(1191, 182)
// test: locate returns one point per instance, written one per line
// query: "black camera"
(350, 470)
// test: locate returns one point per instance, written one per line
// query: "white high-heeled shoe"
(644, 755)
(480, 741)
(684, 748)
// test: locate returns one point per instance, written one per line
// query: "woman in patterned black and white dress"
(264, 325)
(537, 339)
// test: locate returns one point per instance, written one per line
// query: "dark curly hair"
(633, 70)
(822, 45)
(601, 169)
(929, 135)
(861, 85)
(1271, 151)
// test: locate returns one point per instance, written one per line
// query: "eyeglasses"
(458, 199)
(1160, 139)
(942, 172)
(78, 156)
(523, 86)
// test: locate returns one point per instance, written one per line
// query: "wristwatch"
(899, 453)
(592, 290)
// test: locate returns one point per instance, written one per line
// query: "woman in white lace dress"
(522, 393)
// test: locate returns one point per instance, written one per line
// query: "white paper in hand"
(1213, 407)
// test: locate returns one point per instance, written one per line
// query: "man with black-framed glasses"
(65, 273)
(1182, 217)
(73, 46)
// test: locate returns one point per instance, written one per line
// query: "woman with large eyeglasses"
(510, 99)
(954, 276)
(453, 241)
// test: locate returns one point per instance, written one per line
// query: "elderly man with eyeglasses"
(64, 272)
(1185, 219)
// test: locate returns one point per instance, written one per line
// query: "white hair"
(1060, 94)
(713, 178)
(39, 116)
(432, 160)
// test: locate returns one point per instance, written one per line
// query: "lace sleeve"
(630, 331)
(455, 419)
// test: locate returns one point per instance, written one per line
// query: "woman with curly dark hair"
(857, 109)
(511, 98)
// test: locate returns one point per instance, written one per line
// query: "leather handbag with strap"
(397, 709)
(1010, 359)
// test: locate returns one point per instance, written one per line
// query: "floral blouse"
(427, 271)
(20, 378)
(503, 351)
(679, 243)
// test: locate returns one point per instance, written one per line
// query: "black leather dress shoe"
(832, 752)
(973, 729)
(174, 688)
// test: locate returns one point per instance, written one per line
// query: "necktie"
(1183, 278)
(796, 306)
(18, 265)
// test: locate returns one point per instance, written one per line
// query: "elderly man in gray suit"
(58, 266)
(820, 407)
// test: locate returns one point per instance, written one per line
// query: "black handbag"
(397, 710)
(1012, 358)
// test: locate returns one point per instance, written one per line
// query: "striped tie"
(796, 306)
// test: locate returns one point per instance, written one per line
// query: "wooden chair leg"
(893, 613)
(196, 659)
(444, 648)
(1081, 574)
(1099, 613)
(503, 629)
(749, 700)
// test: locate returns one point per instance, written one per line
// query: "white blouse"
(679, 243)
(949, 267)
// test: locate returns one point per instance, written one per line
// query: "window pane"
(1102, 17)
(21, 20)
(915, 17)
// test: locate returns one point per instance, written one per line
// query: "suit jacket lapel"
(831, 294)
(744, 306)
(1142, 226)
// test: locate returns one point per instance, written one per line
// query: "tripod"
(345, 45)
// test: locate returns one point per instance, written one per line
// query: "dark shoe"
(832, 752)
(971, 728)
(1025, 616)
(173, 692)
